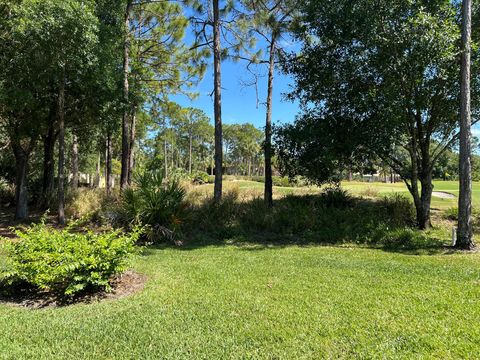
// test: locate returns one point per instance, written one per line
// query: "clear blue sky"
(238, 101)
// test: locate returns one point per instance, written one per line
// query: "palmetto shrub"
(155, 203)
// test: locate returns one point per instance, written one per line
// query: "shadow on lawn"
(310, 220)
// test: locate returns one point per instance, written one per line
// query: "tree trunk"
(165, 156)
(108, 165)
(190, 153)
(423, 214)
(465, 231)
(21, 192)
(217, 192)
(97, 172)
(268, 193)
(61, 151)
(48, 161)
(126, 112)
(422, 222)
(74, 183)
(131, 157)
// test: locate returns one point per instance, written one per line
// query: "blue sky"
(239, 101)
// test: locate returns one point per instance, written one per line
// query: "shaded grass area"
(286, 303)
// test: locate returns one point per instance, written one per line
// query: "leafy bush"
(199, 177)
(336, 197)
(155, 203)
(66, 262)
(177, 175)
(452, 215)
(282, 181)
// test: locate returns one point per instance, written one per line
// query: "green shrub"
(199, 177)
(66, 262)
(155, 203)
(281, 181)
(177, 175)
(333, 216)
(451, 213)
(336, 197)
(399, 209)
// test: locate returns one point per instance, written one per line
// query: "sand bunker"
(443, 195)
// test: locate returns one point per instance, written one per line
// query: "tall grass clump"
(86, 203)
(336, 197)
(214, 218)
(370, 192)
(399, 209)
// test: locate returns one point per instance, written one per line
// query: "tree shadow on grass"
(7, 222)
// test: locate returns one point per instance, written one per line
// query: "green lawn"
(268, 303)
(285, 302)
(444, 186)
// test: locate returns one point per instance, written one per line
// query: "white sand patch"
(443, 195)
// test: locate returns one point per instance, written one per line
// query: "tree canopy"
(375, 79)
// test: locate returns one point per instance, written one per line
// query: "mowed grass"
(451, 187)
(270, 302)
(267, 303)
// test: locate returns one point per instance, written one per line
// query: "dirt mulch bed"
(123, 285)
